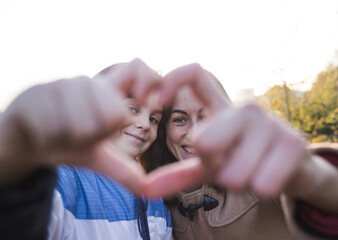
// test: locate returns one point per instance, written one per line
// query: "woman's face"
(187, 112)
(138, 136)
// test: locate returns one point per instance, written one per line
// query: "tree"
(314, 112)
(322, 109)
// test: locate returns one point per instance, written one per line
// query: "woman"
(255, 142)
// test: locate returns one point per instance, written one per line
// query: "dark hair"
(158, 154)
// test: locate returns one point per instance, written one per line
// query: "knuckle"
(197, 68)
(34, 91)
(58, 86)
(251, 111)
(59, 82)
(81, 78)
(251, 108)
(137, 62)
(271, 124)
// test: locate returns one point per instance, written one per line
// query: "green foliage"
(314, 112)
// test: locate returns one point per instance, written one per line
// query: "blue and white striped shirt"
(88, 205)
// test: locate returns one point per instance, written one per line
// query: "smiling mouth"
(135, 136)
(189, 149)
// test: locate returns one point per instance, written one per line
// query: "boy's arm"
(25, 208)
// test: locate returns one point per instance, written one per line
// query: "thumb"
(118, 166)
(105, 160)
(173, 178)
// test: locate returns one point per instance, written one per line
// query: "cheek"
(173, 135)
(170, 145)
(125, 129)
(152, 135)
(117, 136)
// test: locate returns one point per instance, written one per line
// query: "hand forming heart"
(67, 121)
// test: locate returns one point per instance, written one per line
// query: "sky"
(244, 43)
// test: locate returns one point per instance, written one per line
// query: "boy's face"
(138, 136)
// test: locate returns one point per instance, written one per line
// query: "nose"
(142, 121)
(193, 126)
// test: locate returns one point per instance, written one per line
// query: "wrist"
(15, 163)
(304, 183)
(315, 184)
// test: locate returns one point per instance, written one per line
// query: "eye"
(201, 118)
(133, 109)
(179, 121)
(153, 120)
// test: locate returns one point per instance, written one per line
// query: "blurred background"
(280, 53)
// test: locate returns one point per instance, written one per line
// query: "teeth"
(189, 149)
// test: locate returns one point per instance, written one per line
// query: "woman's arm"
(316, 181)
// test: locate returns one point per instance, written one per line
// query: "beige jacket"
(237, 216)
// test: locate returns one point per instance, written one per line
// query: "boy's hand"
(67, 121)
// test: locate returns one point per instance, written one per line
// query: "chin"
(187, 157)
(180, 158)
(131, 153)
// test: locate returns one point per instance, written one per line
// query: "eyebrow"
(201, 110)
(179, 111)
(184, 112)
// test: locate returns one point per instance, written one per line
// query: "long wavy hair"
(159, 154)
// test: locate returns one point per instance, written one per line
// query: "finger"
(120, 167)
(199, 80)
(134, 78)
(173, 178)
(107, 161)
(29, 117)
(109, 109)
(147, 81)
(79, 126)
(214, 163)
(36, 109)
(89, 112)
(248, 154)
(278, 167)
(222, 132)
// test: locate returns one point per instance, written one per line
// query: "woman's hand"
(246, 148)
(200, 81)
(240, 147)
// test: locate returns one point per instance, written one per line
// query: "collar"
(231, 205)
